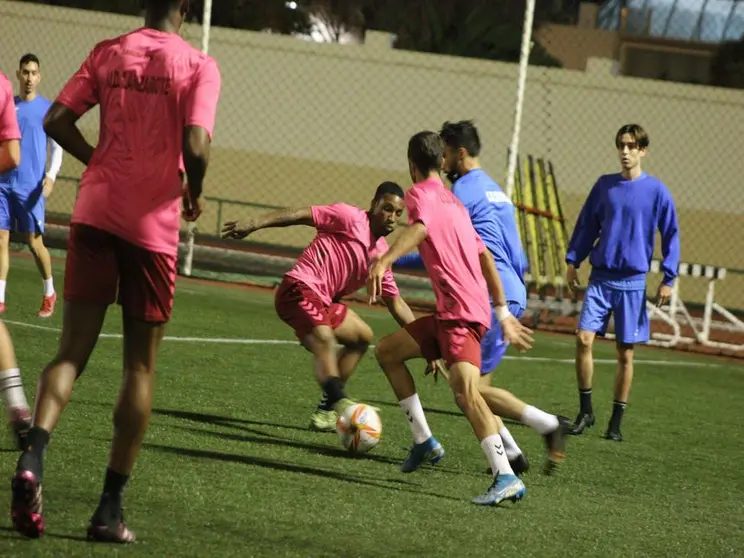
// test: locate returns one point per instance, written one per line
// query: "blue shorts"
(602, 300)
(22, 209)
(493, 346)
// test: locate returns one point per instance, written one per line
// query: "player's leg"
(464, 381)
(416, 340)
(493, 349)
(11, 389)
(29, 209)
(91, 277)
(5, 225)
(595, 314)
(631, 326)
(354, 335)
(146, 291)
(300, 308)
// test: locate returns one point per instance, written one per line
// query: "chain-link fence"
(304, 123)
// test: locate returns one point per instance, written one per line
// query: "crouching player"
(334, 265)
(462, 273)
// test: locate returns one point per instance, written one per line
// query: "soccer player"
(24, 190)
(462, 273)
(158, 98)
(616, 229)
(492, 215)
(335, 264)
(11, 387)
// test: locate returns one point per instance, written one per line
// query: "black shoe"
(613, 434)
(583, 421)
(519, 465)
(556, 443)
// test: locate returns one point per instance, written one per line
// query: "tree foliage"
(489, 29)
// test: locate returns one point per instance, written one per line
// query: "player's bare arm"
(406, 242)
(399, 310)
(197, 147)
(514, 332)
(10, 155)
(60, 124)
(281, 218)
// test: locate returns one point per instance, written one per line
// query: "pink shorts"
(454, 341)
(103, 268)
(301, 308)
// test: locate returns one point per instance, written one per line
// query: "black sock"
(334, 391)
(114, 483)
(323, 405)
(618, 408)
(33, 458)
(585, 401)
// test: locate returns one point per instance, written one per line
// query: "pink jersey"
(450, 253)
(336, 263)
(150, 85)
(9, 129)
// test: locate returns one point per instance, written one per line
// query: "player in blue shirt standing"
(617, 226)
(23, 191)
(493, 216)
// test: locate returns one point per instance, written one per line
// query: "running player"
(334, 265)
(11, 386)
(616, 229)
(462, 273)
(492, 215)
(23, 192)
(158, 98)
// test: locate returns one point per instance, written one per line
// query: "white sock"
(11, 388)
(416, 419)
(539, 420)
(49, 286)
(510, 445)
(3, 284)
(493, 447)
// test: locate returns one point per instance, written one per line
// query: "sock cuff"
(622, 404)
(585, 390)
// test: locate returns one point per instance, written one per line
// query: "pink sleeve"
(8, 122)
(416, 208)
(389, 286)
(80, 93)
(330, 218)
(201, 105)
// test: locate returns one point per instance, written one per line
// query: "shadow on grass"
(295, 468)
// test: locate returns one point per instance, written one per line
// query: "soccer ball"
(359, 428)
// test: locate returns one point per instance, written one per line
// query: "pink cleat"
(47, 306)
(27, 504)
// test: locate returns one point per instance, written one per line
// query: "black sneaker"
(556, 444)
(107, 524)
(583, 421)
(519, 465)
(613, 434)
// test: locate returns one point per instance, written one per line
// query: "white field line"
(241, 341)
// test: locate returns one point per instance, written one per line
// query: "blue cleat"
(504, 487)
(430, 450)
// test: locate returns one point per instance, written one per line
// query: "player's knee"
(624, 354)
(366, 336)
(35, 242)
(385, 351)
(466, 389)
(323, 338)
(584, 340)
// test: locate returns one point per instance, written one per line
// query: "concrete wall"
(303, 123)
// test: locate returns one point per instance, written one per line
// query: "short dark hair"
(638, 133)
(161, 5)
(28, 58)
(462, 134)
(388, 187)
(425, 150)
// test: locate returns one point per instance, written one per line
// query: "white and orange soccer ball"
(359, 428)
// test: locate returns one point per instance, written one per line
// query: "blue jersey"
(493, 216)
(34, 143)
(617, 227)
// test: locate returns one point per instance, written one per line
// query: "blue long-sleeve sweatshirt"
(617, 226)
(493, 217)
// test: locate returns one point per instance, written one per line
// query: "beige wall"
(304, 123)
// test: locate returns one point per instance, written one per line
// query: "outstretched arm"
(281, 218)
(410, 239)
